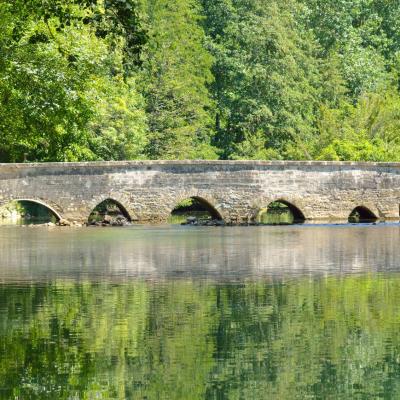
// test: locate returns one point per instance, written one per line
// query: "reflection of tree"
(332, 338)
(71, 339)
(105, 341)
(329, 338)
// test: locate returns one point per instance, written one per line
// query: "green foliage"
(184, 204)
(177, 69)
(265, 75)
(253, 148)
(190, 79)
(119, 125)
(63, 92)
(367, 131)
(109, 18)
(278, 65)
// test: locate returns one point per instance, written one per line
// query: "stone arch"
(52, 208)
(207, 203)
(362, 214)
(298, 215)
(125, 211)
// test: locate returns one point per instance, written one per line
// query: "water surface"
(293, 312)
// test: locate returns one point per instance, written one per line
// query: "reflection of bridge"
(236, 190)
(156, 253)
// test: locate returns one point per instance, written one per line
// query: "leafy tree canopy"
(229, 79)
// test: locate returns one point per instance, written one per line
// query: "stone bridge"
(236, 191)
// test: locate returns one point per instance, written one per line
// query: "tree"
(61, 60)
(357, 33)
(177, 69)
(367, 131)
(266, 74)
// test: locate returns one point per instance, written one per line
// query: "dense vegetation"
(175, 79)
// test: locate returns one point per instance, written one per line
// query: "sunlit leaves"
(49, 94)
(109, 18)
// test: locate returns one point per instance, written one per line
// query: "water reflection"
(226, 254)
(326, 338)
(200, 313)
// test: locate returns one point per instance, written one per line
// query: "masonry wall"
(149, 190)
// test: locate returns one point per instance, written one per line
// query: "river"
(170, 312)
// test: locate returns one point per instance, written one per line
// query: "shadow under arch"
(109, 206)
(29, 205)
(362, 215)
(281, 212)
(194, 206)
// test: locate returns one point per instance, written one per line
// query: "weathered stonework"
(149, 190)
